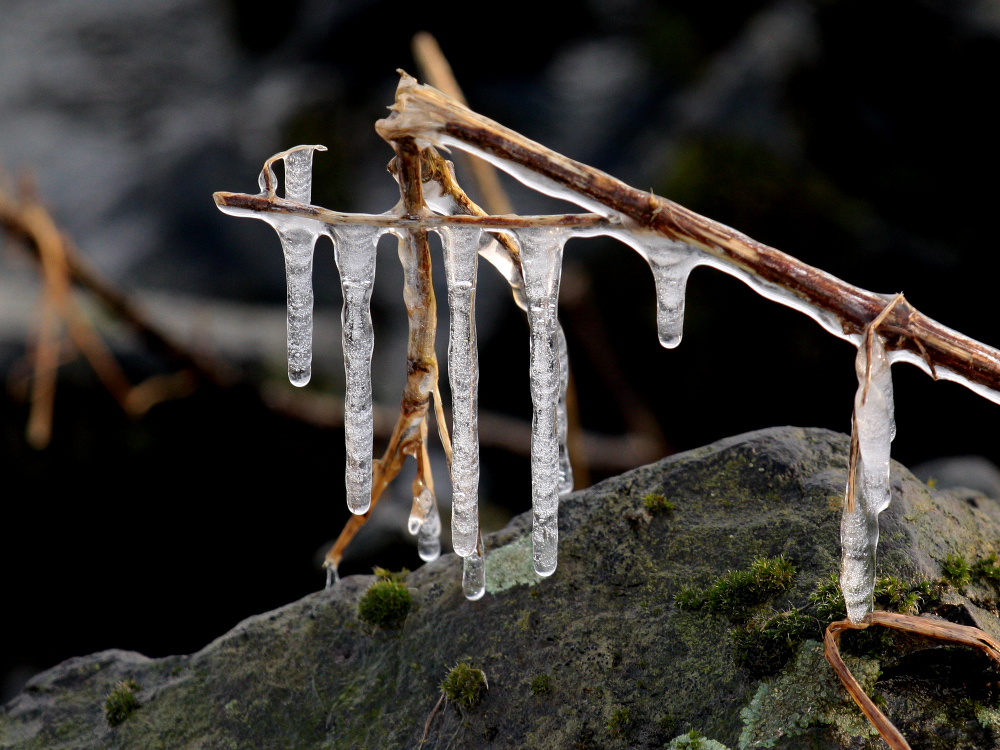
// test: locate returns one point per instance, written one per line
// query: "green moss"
(541, 684)
(122, 703)
(385, 604)
(658, 504)
(464, 685)
(619, 721)
(738, 593)
(956, 571)
(763, 648)
(986, 569)
(388, 575)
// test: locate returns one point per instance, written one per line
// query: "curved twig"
(941, 630)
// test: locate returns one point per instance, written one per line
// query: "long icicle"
(461, 255)
(541, 262)
(868, 489)
(354, 247)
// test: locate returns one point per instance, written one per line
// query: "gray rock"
(626, 667)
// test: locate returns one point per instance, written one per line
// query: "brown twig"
(868, 342)
(435, 68)
(424, 112)
(941, 630)
(427, 724)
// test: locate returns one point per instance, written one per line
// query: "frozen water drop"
(474, 576)
(429, 537)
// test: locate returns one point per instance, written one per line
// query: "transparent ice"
(474, 574)
(429, 536)
(541, 261)
(461, 255)
(422, 506)
(354, 247)
(875, 429)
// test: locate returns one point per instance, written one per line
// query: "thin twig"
(435, 68)
(427, 725)
(424, 112)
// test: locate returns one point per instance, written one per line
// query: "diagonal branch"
(845, 310)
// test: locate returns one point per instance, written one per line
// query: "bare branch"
(426, 114)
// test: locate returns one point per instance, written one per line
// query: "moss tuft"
(541, 684)
(739, 593)
(764, 648)
(619, 721)
(987, 569)
(387, 575)
(658, 504)
(464, 685)
(122, 703)
(385, 604)
(956, 571)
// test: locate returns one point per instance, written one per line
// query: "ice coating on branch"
(461, 255)
(671, 263)
(429, 536)
(474, 574)
(874, 429)
(541, 261)
(354, 246)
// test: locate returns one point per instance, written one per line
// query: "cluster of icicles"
(536, 289)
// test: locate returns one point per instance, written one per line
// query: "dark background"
(857, 136)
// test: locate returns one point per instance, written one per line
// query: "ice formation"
(461, 255)
(354, 248)
(874, 429)
(533, 272)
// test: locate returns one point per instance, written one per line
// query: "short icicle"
(354, 247)
(541, 260)
(298, 239)
(474, 573)
(671, 263)
(461, 255)
(874, 429)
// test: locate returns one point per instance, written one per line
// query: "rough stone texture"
(627, 669)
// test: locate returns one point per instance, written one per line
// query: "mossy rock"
(625, 666)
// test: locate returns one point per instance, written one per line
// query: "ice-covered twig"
(868, 490)
(433, 118)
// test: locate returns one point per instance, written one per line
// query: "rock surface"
(626, 667)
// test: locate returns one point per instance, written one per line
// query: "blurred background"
(856, 136)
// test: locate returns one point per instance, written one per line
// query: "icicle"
(874, 429)
(474, 573)
(355, 253)
(562, 418)
(541, 261)
(671, 263)
(332, 576)
(423, 503)
(461, 255)
(429, 536)
(298, 238)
